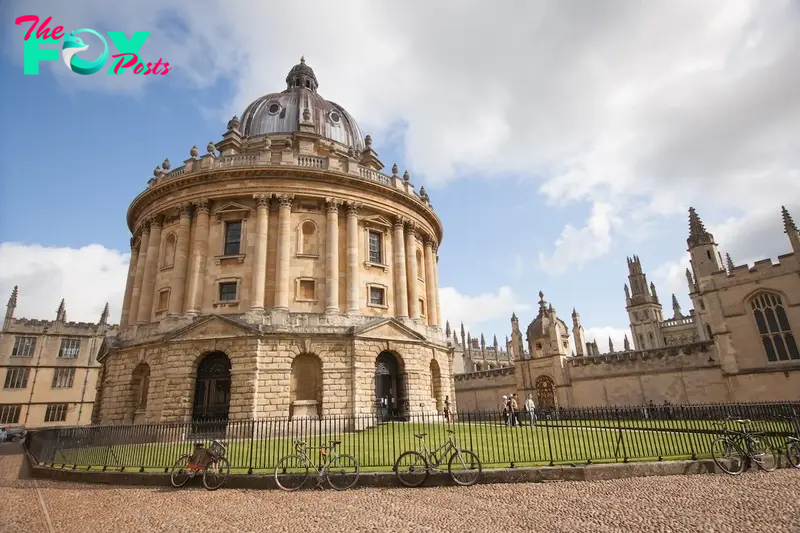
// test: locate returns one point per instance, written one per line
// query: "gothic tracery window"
(773, 327)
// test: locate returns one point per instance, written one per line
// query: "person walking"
(504, 409)
(513, 407)
(448, 413)
(531, 408)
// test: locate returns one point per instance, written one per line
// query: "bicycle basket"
(218, 448)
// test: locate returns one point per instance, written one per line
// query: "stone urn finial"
(394, 169)
(210, 148)
(407, 177)
(368, 142)
(233, 124)
(288, 143)
(267, 143)
(194, 152)
(165, 165)
(157, 171)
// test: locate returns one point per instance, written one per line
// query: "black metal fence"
(554, 436)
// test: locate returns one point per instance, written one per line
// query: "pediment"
(377, 220)
(213, 327)
(232, 208)
(389, 329)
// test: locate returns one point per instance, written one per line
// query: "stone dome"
(540, 326)
(283, 112)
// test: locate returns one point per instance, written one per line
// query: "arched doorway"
(391, 387)
(545, 392)
(305, 387)
(212, 392)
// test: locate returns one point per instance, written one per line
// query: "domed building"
(281, 273)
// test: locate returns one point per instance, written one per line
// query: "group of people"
(510, 408)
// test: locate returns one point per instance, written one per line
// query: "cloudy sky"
(554, 138)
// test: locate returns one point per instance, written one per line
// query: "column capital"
(156, 221)
(186, 209)
(411, 227)
(285, 200)
(399, 222)
(352, 208)
(262, 200)
(427, 240)
(201, 206)
(332, 205)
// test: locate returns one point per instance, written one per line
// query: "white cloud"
(637, 108)
(86, 278)
(474, 310)
(602, 334)
(579, 246)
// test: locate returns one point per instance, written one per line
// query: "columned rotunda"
(280, 273)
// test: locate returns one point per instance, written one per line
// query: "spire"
(455, 339)
(483, 342)
(494, 343)
(610, 346)
(627, 292)
(12, 305)
(676, 307)
(626, 343)
(542, 304)
(729, 262)
(690, 280)
(61, 312)
(104, 315)
(653, 290)
(697, 231)
(514, 317)
(788, 224)
(447, 328)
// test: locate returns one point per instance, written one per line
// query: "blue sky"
(611, 140)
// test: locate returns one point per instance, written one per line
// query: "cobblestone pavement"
(753, 502)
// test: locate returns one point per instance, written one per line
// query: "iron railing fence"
(558, 436)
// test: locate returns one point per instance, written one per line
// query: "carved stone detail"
(352, 208)
(186, 209)
(411, 226)
(332, 205)
(285, 200)
(262, 200)
(400, 221)
(201, 206)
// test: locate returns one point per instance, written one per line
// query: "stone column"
(260, 265)
(430, 287)
(150, 271)
(353, 305)
(284, 236)
(435, 252)
(400, 279)
(136, 293)
(411, 261)
(178, 281)
(126, 300)
(197, 271)
(332, 256)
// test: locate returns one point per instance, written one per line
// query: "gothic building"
(738, 344)
(281, 273)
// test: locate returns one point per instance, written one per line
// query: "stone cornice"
(163, 189)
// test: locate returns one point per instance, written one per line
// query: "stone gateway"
(280, 274)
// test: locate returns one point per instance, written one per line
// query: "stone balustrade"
(702, 347)
(677, 321)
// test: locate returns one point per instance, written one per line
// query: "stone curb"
(388, 479)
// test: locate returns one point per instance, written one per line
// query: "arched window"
(478, 367)
(308, 239)
(642, 345)
(436, 384)
(773, 326)
(140, 386)
(651, 340)
(168, 254)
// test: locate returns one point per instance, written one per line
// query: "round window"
(335, 117)
(273, 109)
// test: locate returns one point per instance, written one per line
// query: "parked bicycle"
(210, 461)
(341, 470)
(734, 450)
(412, 468)
(793, 442)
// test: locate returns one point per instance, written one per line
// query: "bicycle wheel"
(763, 454)
(291, 472)
(793, 452)
(180, 474)
(465, 468)
(728, 456)
(343, 472)
(411, 469)
(216, 473)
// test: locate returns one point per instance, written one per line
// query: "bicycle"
(739, 447)
(425, 462)
(296, 467)
(793, 442)
(210, 461)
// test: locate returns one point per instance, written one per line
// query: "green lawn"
(557, 442)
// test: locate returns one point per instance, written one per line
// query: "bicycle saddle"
(451, 431)
(335, 442)
(743, 421)
(420, 435)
